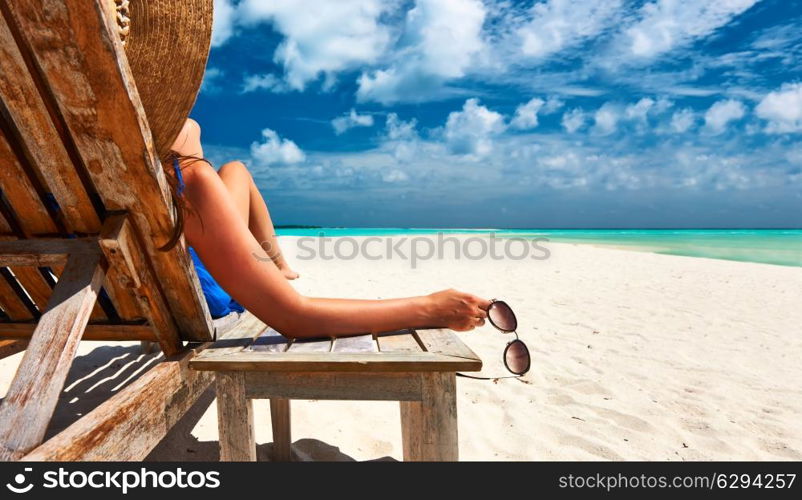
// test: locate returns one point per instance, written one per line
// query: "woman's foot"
(289, 273)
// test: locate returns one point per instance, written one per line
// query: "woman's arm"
(229, 251)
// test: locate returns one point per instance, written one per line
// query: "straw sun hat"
(167, 43)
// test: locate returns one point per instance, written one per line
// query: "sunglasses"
(516, 354)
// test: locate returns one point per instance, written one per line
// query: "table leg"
(234, 418)
(280, 418)
(429, 426)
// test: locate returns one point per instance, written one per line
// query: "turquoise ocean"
(769, 246)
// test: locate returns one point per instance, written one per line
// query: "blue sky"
(496, 113)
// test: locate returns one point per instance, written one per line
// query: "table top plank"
(270, 341)
(249, 360)
(310, 345)
(360, 343)
(251, 345)
(238, 337)
(399, 341)
(444, 341)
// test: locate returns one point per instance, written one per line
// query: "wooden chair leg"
(429, 426)
(32, 397)
(234, 418)
(280, 418)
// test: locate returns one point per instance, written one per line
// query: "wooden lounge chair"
(84, 205)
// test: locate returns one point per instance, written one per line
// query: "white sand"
(636, 356)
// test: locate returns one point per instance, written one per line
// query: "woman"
(227, 222)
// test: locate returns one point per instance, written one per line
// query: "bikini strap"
(179, 177)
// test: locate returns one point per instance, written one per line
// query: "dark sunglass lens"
(516, 357)
(502, 317)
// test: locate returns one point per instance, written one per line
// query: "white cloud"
(721, 114)
(222, 22)
(401, 138)
(273, 150)
(606, 119)
(350, 120)
(559, 24)
(526, 114)
(573, 120)
(553, 104)
(440, 42)
(782, 109)
(682, 120)
(472, 130)
(210, 83)
(395, 175)
(667, 24)
(640, 110)
(322, 37)
(268, 82)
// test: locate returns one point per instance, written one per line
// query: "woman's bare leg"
(253, 209)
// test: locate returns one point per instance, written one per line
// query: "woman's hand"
(456, 310)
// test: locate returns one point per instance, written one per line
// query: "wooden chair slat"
(96, 100)
(5, 227)
(32, 216)
(271, 341)
(310, 345)
(99, 331)
(35, 284)
(29, 117)
(444, 341)
(400, 341)
(12, 304)
(11, 347)
(359, 343)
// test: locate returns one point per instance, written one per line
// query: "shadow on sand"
(106, 370)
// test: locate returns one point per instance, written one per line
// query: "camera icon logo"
(19, 485)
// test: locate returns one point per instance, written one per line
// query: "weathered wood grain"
(359, 343)
(75, 47)
(35, 134)
(310, 345)
(44, 252)
(123, 253)
(429, 427)
(98, 314)
(234, 418)
(237, 338)
(116, 332)
(322, 361)
(32, 216)
(32, 397)
(5, 227)
(131, 423)
(11, 303)
(34, 283)
(270, 341)
(444, 341)
(401, 341)
(280, 419)
(411, 428)
(11, 347)
(363, 386)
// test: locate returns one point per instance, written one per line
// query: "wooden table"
(416, 368)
